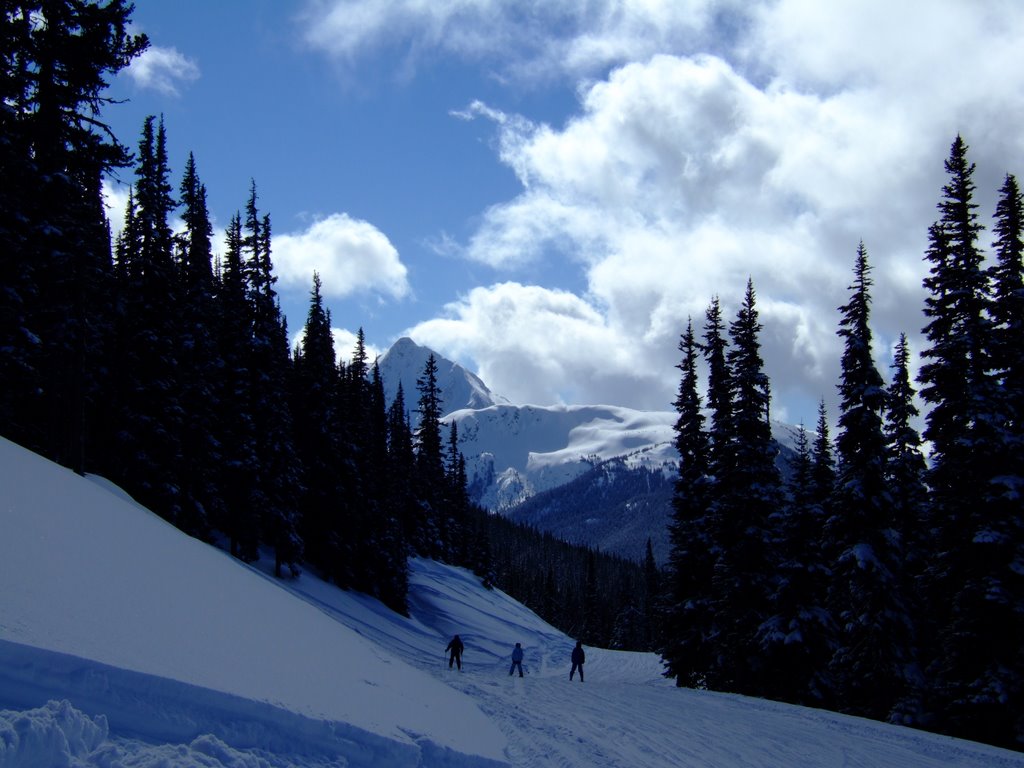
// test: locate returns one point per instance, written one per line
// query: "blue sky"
(546, 191)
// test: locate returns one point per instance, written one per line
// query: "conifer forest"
(882, 574)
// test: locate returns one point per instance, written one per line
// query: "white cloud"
(351, 256)
(162, 69)
(681, 176)
(539, 41)
(115, 200)
(538, 345)
(731, 140)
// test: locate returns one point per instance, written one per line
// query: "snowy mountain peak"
(460, 388)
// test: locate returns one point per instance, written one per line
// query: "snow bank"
(52, 736)
(90, 575)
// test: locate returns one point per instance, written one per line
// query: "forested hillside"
(151, 362)
(870, 581)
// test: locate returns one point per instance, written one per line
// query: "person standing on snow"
(578, 657)
(456, 647)
(517, 660)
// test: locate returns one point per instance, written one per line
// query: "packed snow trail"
(627, 714)
(125, 644)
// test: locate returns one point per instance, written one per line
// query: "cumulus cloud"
(352, 256)
(683, 175)
(162, 69)
(714, 141)
(542, 345)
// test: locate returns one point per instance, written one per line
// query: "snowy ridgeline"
(124, 643)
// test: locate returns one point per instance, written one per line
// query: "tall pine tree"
(867, 593)
(974, 581)
(316, 423)
(797, 638)
(150, 422)
(688, 630)
(54, 241)
(198, 359)
(430, 475)
(235, 424)
(747, 497)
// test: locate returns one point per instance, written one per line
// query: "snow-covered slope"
(94, 584)
(513, 452)
(125, 644)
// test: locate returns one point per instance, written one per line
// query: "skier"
(517, 660)
(456, 647)
(578, 657)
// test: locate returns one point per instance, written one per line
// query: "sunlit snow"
(125, 644)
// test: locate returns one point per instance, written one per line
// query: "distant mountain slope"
(598, 475)
(616, 505)
(513, 452)
(613, 507)
(404, 363)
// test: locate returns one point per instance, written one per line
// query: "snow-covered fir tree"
(862, 539)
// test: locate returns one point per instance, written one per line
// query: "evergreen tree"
(797, 638)
(316, 433)
(1007, 310)
(823, 475)
(956, 380)
(153, 197)
(974, 581)
(401, 468)
(720, 394)
(430, 474)
(199, 359)
(456, 505)
(149, 453)
(364, 482)
(906, 465)
(391, 549)
(232, 384)
(689, 629)
(652, 600)
(867, 593)
(592, 625)
(905, 471)
(275, 517)
(1005, 678)
(744, 573)
(957, 377)
(54, 240)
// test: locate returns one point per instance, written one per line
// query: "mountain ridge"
(532, 462)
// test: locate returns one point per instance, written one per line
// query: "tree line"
(155, 363)
(872, 581)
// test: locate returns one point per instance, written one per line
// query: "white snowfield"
(125, 644)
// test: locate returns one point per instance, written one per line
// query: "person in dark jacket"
(517, 660)
(456, 647)
(578, 657)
